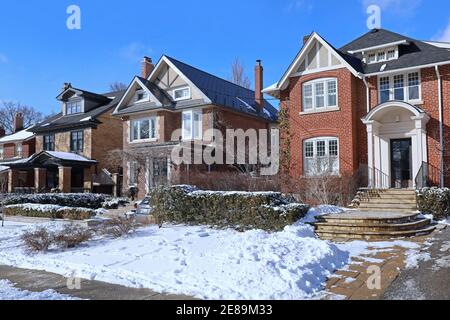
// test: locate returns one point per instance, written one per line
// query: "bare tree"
(238, 75)
(118, 86)
(8, 111)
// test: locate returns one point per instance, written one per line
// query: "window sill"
(413, 102)
(143, 141)
(320, 111)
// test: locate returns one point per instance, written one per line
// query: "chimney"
(305, 39)
(66, 86)
(18, 122)
(147, 67)
(259, 82)
(2, 132)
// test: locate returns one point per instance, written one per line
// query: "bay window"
(192, 125)
(143, 129)
(401, 87)
(320, 95)
(321, 156)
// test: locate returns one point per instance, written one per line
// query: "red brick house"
(380, 103)
(176, 96)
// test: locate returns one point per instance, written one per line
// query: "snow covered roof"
(18, 136)
(3, 168)
(67, 156)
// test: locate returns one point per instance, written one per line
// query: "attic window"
(73, 107)
(141, 95)
(381, 56)
(182, 94)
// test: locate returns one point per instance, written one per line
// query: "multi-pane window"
(381, 56)
(192, 125)
(321, 156)
(182, 94)
(2, 152)
(143, 129)
(49, 142)
(18, 150)
(77, 141)
(391, 54)
(319, 95)
(73, 107)
(402, 87)
(372, 58)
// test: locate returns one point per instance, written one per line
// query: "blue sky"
(38, 53)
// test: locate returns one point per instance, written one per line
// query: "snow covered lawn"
(200, 262)
(9, 292)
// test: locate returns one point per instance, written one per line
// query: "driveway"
(429, 281)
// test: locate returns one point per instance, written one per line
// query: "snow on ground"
(9, 292)
(202, 262)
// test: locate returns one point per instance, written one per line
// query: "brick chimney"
(18, 122)
(2, 132)
(259, 82)
(147, 67)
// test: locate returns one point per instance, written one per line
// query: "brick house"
(71, 148)
(176, 96)
(378, 105)
(19, 145)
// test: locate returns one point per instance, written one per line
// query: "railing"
(373, 178)
(428, 176)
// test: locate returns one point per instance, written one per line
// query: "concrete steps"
(387, 200)
(372, 226)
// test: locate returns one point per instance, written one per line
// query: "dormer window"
(381, 55)
(372, 58)
(141, 96)
(74, 106)
(182, 94)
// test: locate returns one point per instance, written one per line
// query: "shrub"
(72, 236)
(49, 211)
(269, 211)
(83, 200)
(118, 227)
(39, 240)
(434, 201)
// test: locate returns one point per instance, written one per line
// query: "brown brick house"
(19, 145)
(176, 96)
(71, 152)
(379, 103)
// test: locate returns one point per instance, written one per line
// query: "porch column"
(116, 191)
(87, 176)
(370, 154)
(13, 180)
(420, 152)
(65, 179)
(373, 142)
(40, 179)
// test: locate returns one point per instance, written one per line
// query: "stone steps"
(372, 226)
(393, 200)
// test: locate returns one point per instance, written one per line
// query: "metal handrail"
(375, 179)
(428, 176)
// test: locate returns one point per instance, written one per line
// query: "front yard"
(200, 262)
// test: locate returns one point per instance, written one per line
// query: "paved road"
(430, 281)
(38, 281)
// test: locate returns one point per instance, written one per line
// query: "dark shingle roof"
(415, 53)
(87, 119)
(225, 93)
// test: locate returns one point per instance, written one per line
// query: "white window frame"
(326, 106)
(190, 135)
(2, 152)
(405, 87)
(151, 120)
(18, 150)
(182, 89)
(137, 93)
(384, 53)
(77, 100)
(315, 141)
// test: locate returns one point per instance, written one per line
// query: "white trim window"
(18, 150)
(321, 156)
(2, 152)
(401, 87)
(381, 55)
(192, 125)
(182, 94)
(320, 95)
(143, 129)
(141, 96)
(74, 106)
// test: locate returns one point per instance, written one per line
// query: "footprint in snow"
(203, 235)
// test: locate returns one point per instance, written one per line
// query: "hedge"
(435, 201)
(270, 211)
(83, 200)
(49, 211)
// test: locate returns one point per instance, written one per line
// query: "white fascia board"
(302, 53)
(159, 104)
(382, 46)
(407, 69)
(130, 87)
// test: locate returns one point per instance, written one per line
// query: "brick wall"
(28, 149)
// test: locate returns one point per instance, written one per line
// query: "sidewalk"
(38, 281)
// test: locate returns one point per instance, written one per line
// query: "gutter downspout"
(364, 79)
(441, 126)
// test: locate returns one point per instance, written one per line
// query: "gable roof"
(412, 52)
(23, 135)
(81, 120)
(225, 93)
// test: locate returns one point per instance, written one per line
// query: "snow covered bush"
(269, 211)
(49, 211)
(37, 241)
(72, 236)
(118, 227)
(435, 201)
(83, 200)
